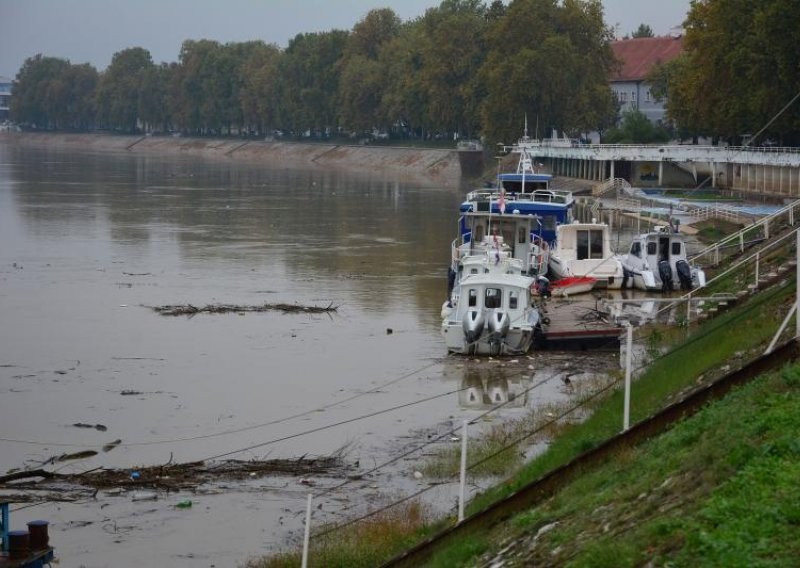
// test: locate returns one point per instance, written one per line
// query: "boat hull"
(517, 341)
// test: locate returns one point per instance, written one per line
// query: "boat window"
(676, 248)
(590, 244)
(479, 233)
(513, 299)
(663, 248)
(636, 249)
(494, 298)
(521, 233)
(549, 222)
(472, 298)
(473, 270)
(651, 248)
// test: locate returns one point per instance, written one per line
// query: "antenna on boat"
(525, 132)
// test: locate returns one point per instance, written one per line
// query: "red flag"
(502, 200)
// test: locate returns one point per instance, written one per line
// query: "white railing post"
(758, 262)
(307, 536)
(716, 255)
(688, 308)
(462, 486)
(626, 412)
(797, 288)
(741, 242)
(766, 228)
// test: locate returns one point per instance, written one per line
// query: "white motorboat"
(490, 313)
(584, 250)
(657, 261)
(497, 244)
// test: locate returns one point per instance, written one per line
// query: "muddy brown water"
(88, 241)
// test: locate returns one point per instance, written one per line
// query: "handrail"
(737, 235)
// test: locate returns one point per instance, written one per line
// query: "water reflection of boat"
(657, 261)
(482, 389)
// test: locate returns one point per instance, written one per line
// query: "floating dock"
(577, 323)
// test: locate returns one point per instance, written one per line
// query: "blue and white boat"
(524, 192)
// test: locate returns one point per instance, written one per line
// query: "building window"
(623, 97)
(633, 96)
(647, 95)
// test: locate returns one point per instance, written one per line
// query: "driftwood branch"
(27, 475)
(175, 476)
(190, 310)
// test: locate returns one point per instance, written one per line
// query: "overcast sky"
(93, 30)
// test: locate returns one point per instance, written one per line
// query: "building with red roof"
(637, 56)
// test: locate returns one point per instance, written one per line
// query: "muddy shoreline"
(428, 166)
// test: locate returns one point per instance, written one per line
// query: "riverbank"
(429, 166)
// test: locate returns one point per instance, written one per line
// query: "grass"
(628, 500)
(718, 340)
(712, 231)
(719, 489)
(362, 544)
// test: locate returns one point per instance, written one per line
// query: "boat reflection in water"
(485, 388)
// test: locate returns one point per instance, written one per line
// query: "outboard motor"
(684, 274)
(472, 324)
(665, 273)
(543, 285)
(499, 323)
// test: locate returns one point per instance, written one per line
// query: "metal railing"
(737, 239)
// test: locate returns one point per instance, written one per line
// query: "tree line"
(463, 69)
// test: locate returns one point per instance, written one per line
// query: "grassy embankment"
(720, 489)
(726, 340)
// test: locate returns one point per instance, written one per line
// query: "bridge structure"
(773, 171)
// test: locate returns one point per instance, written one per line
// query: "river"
(91, 241)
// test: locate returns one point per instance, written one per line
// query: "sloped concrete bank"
(431, 166)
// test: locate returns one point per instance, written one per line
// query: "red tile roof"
(639, 55)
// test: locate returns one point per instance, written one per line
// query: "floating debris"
(190, 310)
(98, 427)
(182, 476)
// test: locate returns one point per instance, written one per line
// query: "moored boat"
(657, 261)
(490, 314)
(584, 250)
(571, 285)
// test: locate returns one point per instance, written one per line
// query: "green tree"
(550, 61)
(362, 83)
(635, 128)
(308, 81)
(119, 89)
(740, 69)
(36, 89)
(257, 94)
(153, 104)
(450, 64)
(405, 99)
(643, 31)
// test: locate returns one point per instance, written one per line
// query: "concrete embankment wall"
(431, 166)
